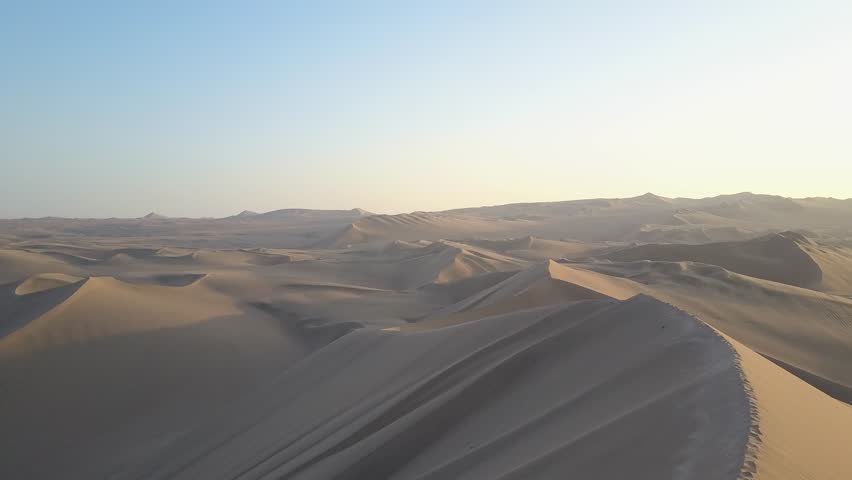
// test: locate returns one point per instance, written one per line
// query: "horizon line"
(153, 215)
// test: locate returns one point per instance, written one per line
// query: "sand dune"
(725, 217)
(401, 247)
(201, 257)
(18, 264)
(689, 233)
(219, 257)
(644, 218)
(544, 284)
(797, 431)
(71, 258)
(835, 264)
(415, 226)
(113, 369)
(406, 268)
(514, 341)
(533, 248)
(801, 328)
(45, 281)
(305, 212)
(246, 213)
(89, 313)
(167, 279)
(525, 396)
(24, 301)
(778, 257)
(805, 331)
(444, 262)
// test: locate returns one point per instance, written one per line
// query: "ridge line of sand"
(751, 451)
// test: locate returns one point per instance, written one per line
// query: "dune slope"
(547, 283)
(444, 262)
(777, 257)
(415, 226)
(808, 332)
(517, 396)
(114, 369)
(797, 431)
(16, 265)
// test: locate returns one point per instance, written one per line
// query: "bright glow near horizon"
(207, 109)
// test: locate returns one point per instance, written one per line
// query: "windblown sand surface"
(646, 338)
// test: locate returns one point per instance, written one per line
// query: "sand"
(512, 397)
(645, 338)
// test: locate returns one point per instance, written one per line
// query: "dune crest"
(468, 409)
(777, 257)
(16, 265)
(804, 330)
(105, 306)
(547, 283)
(797, 431)
(415, 265)
(45, 281)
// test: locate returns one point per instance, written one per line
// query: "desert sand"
(642, 338)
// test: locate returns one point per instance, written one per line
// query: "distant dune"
(246, 213)
(786, 257)
(45, 281)
(444, 262)
(413, 226)
(18, 264)
(777, 257)
(534, 248)
(647, 218)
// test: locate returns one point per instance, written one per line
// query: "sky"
(209, 108)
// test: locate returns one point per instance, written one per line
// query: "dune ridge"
(801, 328)
(16, 265)
(777, 257)
(414, 265)
(118, 390)
(86, 313)
(412, 227)
(779, 321)
(24, 301)
(535, 248)
(797, 431)
(45, 281)
(543, 284)
(462, 416)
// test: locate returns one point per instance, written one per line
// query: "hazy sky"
(208, 108)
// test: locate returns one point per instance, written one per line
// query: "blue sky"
(209, 108)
